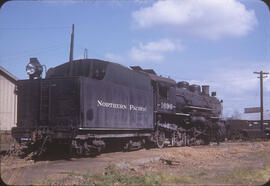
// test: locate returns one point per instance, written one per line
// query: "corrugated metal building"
(8, 100)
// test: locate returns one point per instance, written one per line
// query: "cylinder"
(198, 119)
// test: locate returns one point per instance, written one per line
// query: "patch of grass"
(45, 182)
(262, 154)
(115, 176)
(200, 174)
(248, 175)
(173, 178)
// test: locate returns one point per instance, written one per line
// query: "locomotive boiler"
(89, 104)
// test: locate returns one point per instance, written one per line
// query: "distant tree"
(236, 114)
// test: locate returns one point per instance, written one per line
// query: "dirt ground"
(6, 140)
(229, 163)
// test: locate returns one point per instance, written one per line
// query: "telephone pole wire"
(262, 75)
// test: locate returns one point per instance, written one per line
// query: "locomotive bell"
(195, 88)
(34, 68)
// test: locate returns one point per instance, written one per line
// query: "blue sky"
(215, 42)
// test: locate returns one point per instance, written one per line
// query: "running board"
(100, 136)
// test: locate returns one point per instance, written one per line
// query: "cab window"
(163, 91)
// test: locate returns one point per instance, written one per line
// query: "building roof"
(255, 116)
(8, 75)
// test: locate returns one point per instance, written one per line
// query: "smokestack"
(205, 89)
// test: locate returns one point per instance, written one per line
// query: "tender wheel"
(160, 139)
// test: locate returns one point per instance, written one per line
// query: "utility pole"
(71, 44)
(262, 75)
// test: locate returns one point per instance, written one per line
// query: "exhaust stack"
(205, 89)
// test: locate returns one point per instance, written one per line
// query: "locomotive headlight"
(30, 69)
(34, 69)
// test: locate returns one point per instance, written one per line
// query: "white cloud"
(239, 88)
(236, 82)
(137, 54)
(240, 82)
(267, 83)
(228, 81)
(153, 51)
(114, 57)
(210, 19)
(162, 45)
(60, 2)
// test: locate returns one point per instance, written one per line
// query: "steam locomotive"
(89, 104)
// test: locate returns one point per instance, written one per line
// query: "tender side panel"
(108, 105)
(48, 102)
(64, 102)
(28, 102)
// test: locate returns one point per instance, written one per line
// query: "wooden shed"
(8, 100)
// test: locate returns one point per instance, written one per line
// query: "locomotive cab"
(165, 97)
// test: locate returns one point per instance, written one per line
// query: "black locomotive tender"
(89, 104)
(237, 129)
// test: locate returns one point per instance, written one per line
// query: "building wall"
(8, 104)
